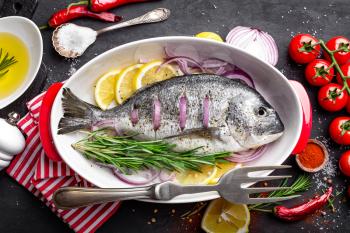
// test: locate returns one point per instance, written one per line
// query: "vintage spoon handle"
(74, 197)
(157, 15)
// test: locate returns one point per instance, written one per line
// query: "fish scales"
(239, 117)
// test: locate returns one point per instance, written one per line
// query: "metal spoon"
(80, 39)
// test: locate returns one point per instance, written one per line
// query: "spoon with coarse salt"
(71, 40)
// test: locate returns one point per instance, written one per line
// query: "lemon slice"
(124, 87)
(222, 168)
(210, 35)
(222, 216)
(152, 72)
(104, 90)
(192, 177)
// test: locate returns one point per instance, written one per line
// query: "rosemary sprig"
(5, 63)
(128, 154)
(301, 184)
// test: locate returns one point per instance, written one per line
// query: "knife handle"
(75, 197)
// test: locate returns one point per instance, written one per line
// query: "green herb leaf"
(301, 184)
(307, 47)
(128, 154)
(343, 47)
(5, 63)
(321, 72)
(345, 127)
(333, 94)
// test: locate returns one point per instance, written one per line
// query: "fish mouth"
(276, 128)
(255, 141)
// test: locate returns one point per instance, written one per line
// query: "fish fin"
(77, 113)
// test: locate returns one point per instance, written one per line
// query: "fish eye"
(262, 111)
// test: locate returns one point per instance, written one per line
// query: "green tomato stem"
(329, 67)
(336, 65)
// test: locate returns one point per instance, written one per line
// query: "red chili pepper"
(301, 211)
(105, 5)
(75, 12)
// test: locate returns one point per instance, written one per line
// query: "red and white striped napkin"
(42, 176)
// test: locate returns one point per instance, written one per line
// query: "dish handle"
(307, 116)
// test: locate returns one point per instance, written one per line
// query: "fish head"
(253, 122)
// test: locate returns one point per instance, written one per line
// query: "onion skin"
(164, 176)
(156, 114)
(134, 116)
(240, 74)
(127, 180)
(255, 42)
(247, 156)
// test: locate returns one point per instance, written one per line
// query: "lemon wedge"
(124, 87)
(104, 90)
(152, 72)
(189, 177)
(222, 168)
(222, 216)
(210, 35)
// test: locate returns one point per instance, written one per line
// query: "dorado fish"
(211, 111)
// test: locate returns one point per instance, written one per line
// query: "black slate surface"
(21, 212)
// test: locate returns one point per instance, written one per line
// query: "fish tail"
(77, 113)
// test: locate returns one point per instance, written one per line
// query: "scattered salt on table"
(76, 38)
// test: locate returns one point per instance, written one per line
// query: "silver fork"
(229, 187)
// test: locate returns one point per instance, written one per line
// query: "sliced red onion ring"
(240, 74)
(134, 116)
(166, 176)
(102, 124)
(156, 114)
(139, 178)
(182, 112)
(255, 42)
(206, 112)
(184, 62)
(247, 156)
(213, 63)
(183, 66)
(221, 70)
(182, 51)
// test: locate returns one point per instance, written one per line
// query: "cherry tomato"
(317, 72)
(344, 163)
(301, 48)
(335, 43)
(331, 98)
(339, 130)
(346, 71)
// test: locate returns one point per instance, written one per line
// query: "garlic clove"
(5, 157)
(12, 141)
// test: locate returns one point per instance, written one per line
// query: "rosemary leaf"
(301, 184)
(128, 154)
(5, 63)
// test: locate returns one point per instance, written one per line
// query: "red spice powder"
(312, 156)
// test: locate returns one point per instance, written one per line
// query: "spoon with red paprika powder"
(314, 157)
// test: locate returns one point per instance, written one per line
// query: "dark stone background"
(21, 212)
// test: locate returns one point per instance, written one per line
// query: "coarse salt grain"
(76, 38)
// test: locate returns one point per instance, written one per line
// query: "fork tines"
(245, 178)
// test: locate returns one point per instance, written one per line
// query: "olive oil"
(17, 72)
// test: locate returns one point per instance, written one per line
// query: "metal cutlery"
(154, 16)
(229, 187)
